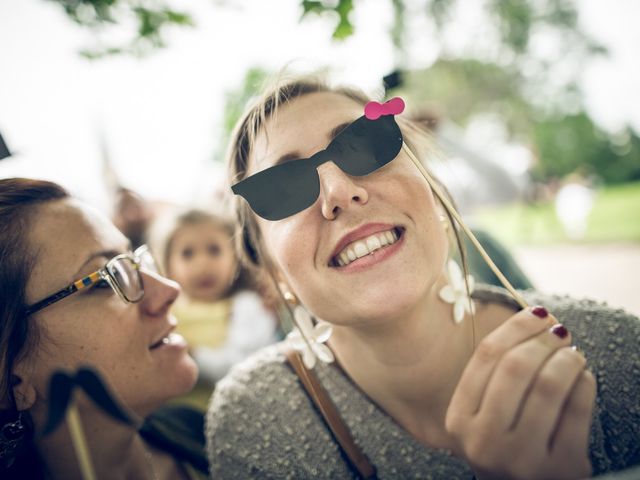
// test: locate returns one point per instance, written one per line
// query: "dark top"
(179, 430)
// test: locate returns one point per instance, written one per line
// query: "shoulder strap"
(329, 412)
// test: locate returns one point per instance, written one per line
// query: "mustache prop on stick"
(62, 386)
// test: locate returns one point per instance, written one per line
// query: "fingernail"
(559, 330)
(540, 311)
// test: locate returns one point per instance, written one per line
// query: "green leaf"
(343, 30)
(312, 6)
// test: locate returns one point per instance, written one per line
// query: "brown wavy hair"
(19, 200)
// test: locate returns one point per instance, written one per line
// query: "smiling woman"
(427, 381)
(73, 294)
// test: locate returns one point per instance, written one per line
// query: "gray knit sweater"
(261, 423)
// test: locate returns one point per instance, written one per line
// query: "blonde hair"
(248, 239)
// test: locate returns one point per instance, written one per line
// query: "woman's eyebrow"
(286, 158)
(294, 155)
(337, 130)
(108, 254)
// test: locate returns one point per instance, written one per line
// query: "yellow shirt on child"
(203, 323)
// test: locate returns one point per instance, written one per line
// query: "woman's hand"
(522, 408)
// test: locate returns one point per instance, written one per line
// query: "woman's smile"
(365, 250)
(363, 234)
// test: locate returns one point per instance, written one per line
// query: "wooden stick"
(445, 201)
(80, 442)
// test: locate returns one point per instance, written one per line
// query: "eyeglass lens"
(126, 276)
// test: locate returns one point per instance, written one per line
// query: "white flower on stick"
(316, 335)
(456, 292)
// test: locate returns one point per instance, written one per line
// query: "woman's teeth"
(365, 246)
(170, 338)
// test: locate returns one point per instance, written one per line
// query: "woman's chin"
(182, 380)
(189, 376)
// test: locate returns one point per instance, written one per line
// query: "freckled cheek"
(290, 256)
(289, 245)
(113, 328)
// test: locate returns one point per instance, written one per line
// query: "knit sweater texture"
(261, 424)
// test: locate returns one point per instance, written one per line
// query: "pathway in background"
(610, 273)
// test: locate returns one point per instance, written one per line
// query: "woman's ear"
(24, 392)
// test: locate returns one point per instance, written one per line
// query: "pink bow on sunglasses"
(374, 110)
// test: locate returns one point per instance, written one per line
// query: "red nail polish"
(540, 311)
(559, 330)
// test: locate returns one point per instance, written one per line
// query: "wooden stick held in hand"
(80, 442)
(445, 201)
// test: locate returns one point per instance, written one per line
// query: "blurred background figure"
(574, 202)
(223, 310)
(132, 214)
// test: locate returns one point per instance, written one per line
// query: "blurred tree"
(574, 143)
(563, 136)
(235, 102)
(150, 19)
(466, 87)
(524, 65)
(342, 8)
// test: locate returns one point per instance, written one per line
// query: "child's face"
(202, 261)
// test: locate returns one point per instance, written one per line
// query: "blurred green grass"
(615, 218)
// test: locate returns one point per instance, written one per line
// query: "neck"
(410, 365)
(116, 450)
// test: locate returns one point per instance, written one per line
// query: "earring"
(306, 338)
(455, 292)
(11, 436)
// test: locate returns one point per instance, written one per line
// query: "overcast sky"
(160, 116)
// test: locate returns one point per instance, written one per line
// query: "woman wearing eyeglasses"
(402, 374)
(73, 294)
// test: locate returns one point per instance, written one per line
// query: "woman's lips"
(360, 233)
(373, 258)
(366, 246)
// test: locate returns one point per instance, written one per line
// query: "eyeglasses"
(360, 149)
(122, 273)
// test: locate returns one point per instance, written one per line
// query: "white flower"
(316, 335)
(456, 292)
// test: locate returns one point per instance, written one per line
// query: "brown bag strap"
(329, 412)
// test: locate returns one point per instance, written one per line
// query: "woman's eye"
(187, 253)
(100, 284)
(214, 250)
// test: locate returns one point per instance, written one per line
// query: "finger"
(549, 393)
(572, 432)
(517, 329)
(514, 376)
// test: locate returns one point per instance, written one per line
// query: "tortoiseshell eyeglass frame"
(140, 258)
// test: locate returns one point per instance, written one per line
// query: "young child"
(220, 312)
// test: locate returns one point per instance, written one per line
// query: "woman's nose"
(338, 191)
(159, 293)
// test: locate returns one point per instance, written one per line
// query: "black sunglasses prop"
(366, 145)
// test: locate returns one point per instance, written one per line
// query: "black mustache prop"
(61, 387)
